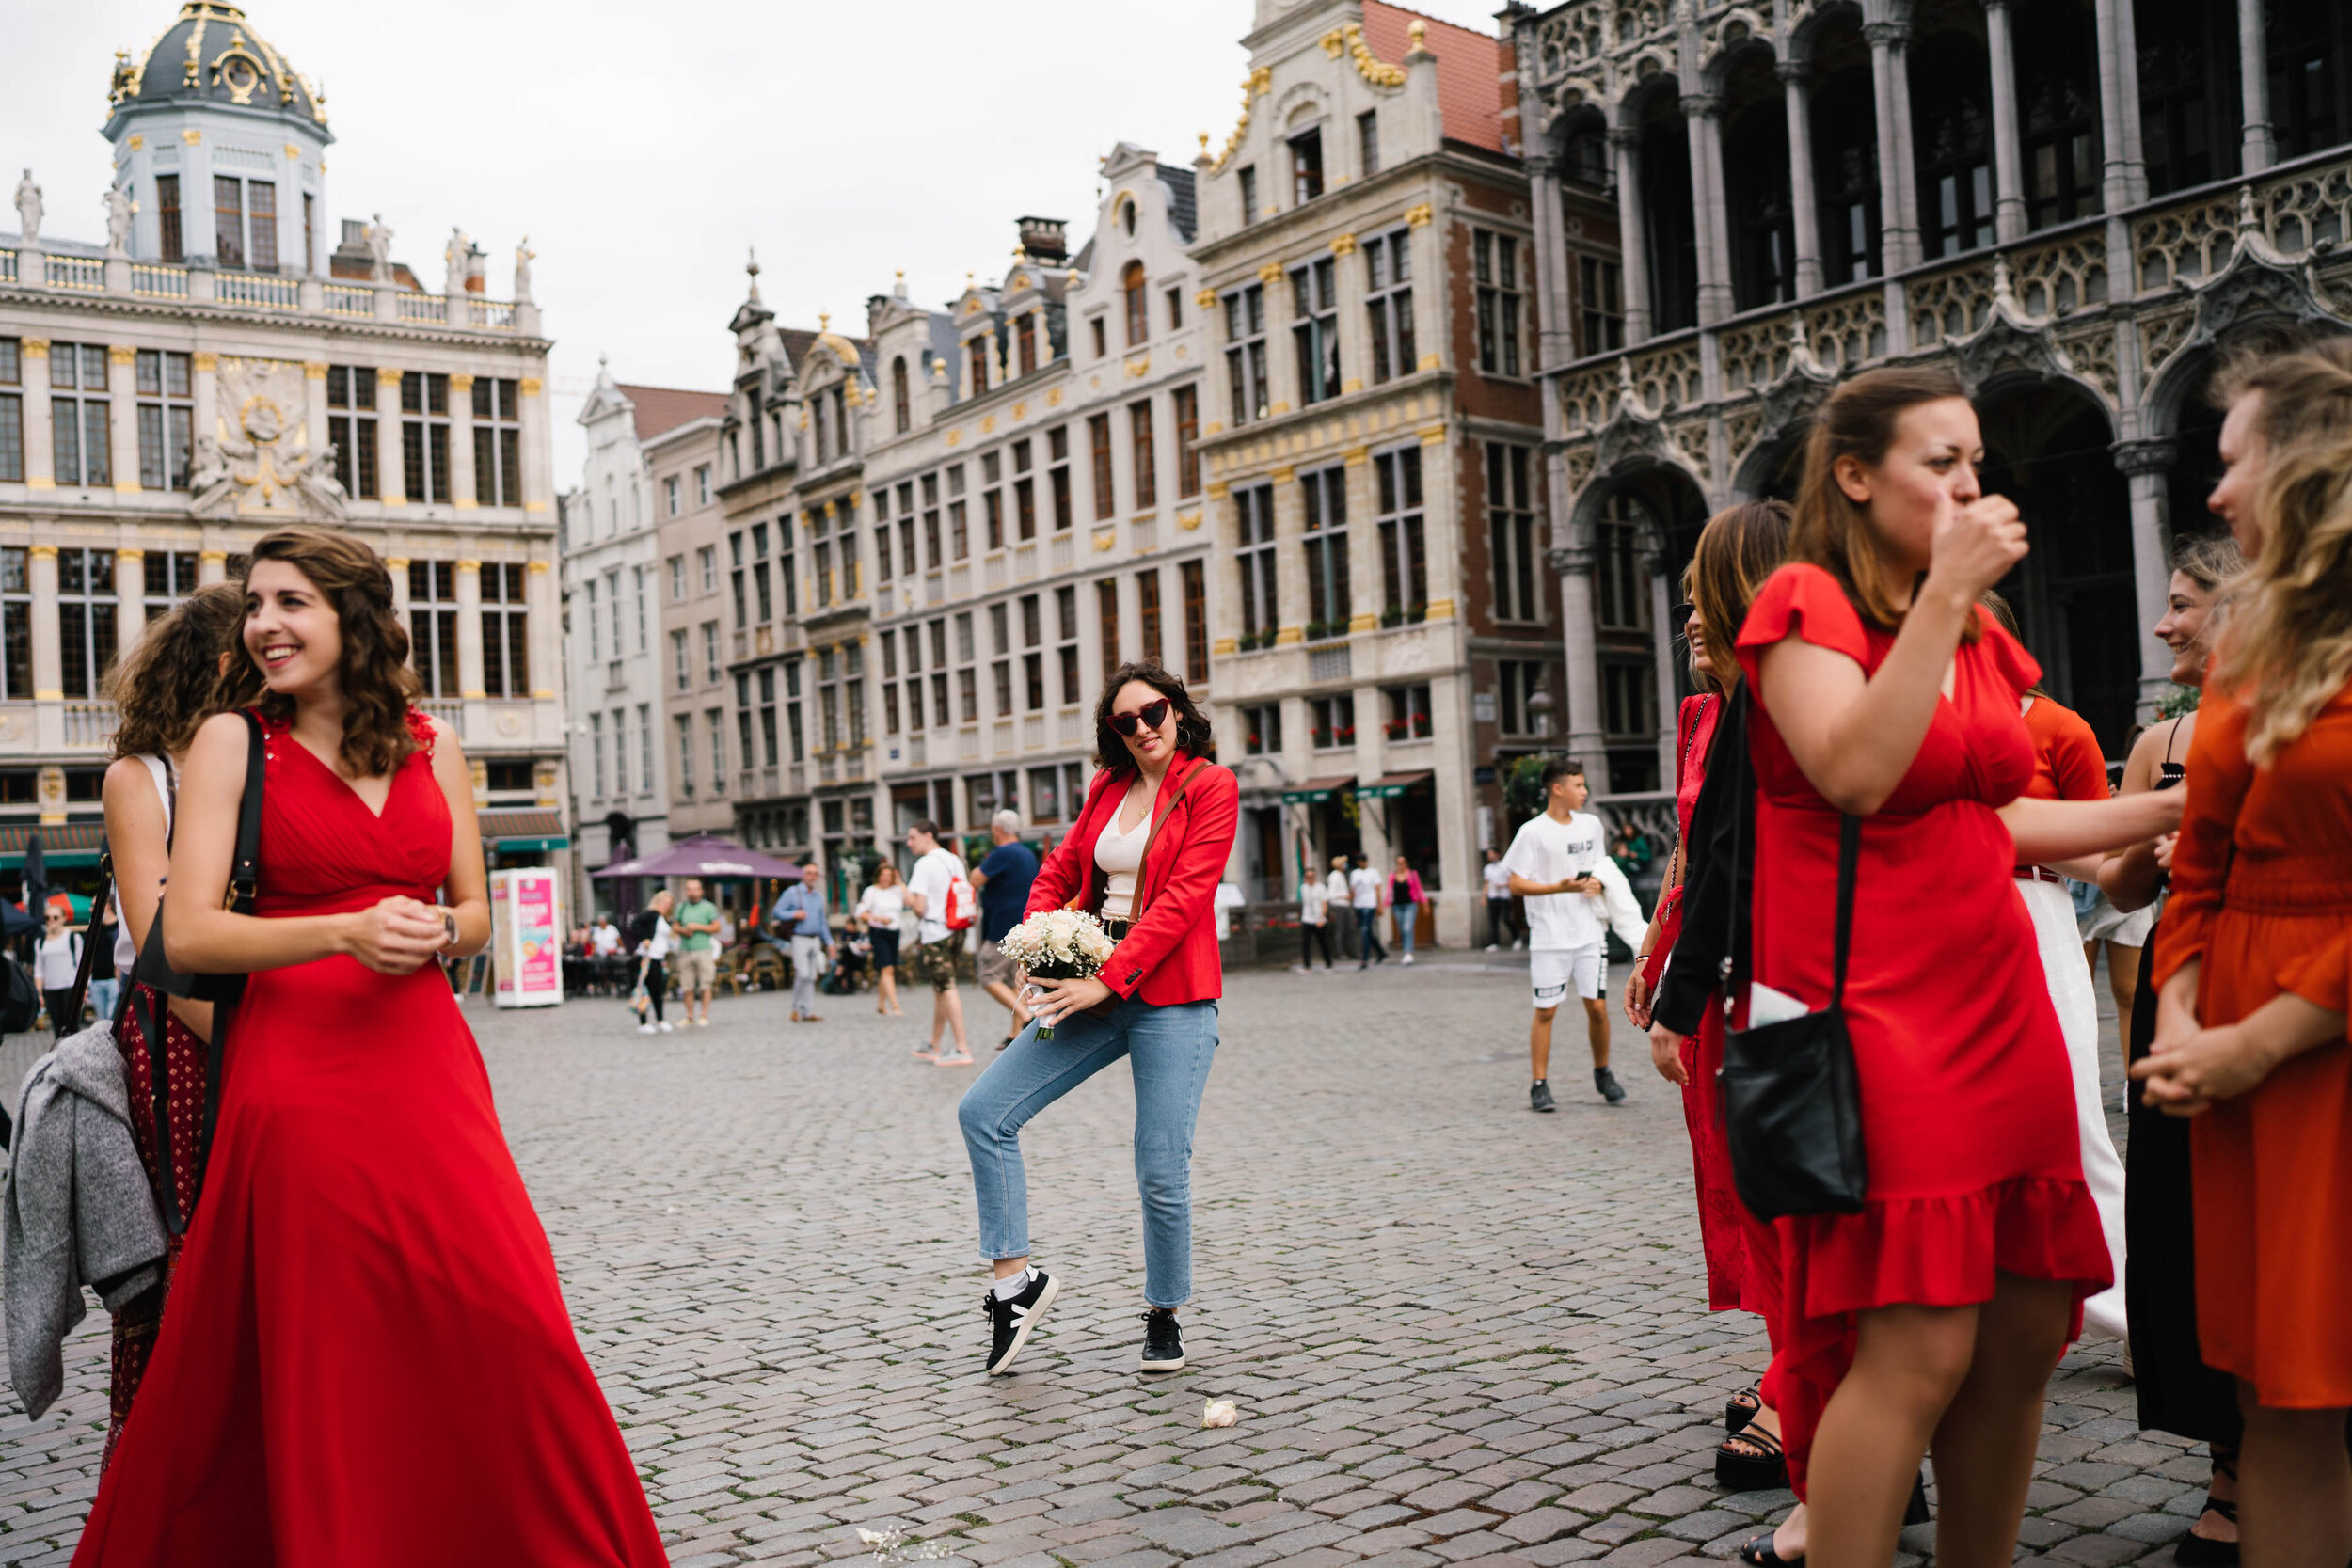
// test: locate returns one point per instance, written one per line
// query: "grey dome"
(211, 54)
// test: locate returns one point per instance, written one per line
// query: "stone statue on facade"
(523, 255)
(312, 478)
(28, 210)
(212, 484)
(380, 251)
(455, 258)
(119, 210)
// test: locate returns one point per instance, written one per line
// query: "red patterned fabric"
(135, 1325)
(367, 1362)
(1967, 1103)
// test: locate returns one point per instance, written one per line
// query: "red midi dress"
(366, 1360)
(1967, 1102)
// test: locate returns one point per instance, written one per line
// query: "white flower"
(1220, 1413)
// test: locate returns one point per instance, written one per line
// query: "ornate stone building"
(212, 371)
(1384, 636)
(2077, 205)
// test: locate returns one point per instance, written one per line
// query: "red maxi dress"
(1967, 1102)
(366, 1361)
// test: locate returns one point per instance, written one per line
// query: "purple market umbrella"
(703, 855)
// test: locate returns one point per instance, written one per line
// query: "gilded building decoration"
(1420, 214)
(257, 460)
(1254, 85)
(1348, 38)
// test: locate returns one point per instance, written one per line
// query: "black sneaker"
(1606, 1081)
(1010, 1320)
(1162, 1341)
(1539, 1095)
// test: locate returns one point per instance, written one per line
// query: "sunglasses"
(1150, 715)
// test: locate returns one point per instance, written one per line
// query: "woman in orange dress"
(2254, 964)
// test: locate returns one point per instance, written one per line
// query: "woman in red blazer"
(1145, 858)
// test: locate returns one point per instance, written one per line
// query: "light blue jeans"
(104, 995)
(804, 954)
(1169, 1050)
(1407, 916)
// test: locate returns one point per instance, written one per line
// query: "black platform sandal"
(1759, 1551)
(1760, 1471)
(2198, 1551)
(1741, 1407)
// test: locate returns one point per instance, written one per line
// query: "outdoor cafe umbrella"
(703, 855)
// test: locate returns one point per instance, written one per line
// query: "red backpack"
(961, 904)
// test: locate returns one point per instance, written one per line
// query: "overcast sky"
(643, 147)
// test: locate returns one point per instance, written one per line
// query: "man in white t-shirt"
(1335, 888)
(607, 940)
(937, 870)
(1555, 864)
(1497, 878)
(1364, 896)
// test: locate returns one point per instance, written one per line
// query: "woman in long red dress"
(2254, 968)
(1932, 1317)
(367, 1359)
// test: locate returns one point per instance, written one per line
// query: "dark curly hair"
(165, 687)
(1192, 725)
(377, 684)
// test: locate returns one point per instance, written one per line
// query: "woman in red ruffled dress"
(367, 1362)
(1932, 1319)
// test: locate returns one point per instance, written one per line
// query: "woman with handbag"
(162, 689)
(1406, 898)
(365, 1260)
(1933, 1272)
(1144, 856)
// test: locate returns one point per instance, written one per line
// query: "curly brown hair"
(164, 688)
(1192, 725)
(377, 684)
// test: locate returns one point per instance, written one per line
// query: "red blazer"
(1170, 955)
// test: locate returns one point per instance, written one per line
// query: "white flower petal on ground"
(1220, 1413)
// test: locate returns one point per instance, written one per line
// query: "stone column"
(1433, 325)
(1583, 721)
(1797, 95)
(41, 456)
(391, 481)
(314, 410)
(2008, 169)
(123, 416)
(1364, 581)
(398, 566)
(1632, 239)
(1662, 656)
(2260, 149)
(470, 631)
(546, 641)
(48, 653)
(1444, 529)
(130, 599)
(2123, 177)
(2146, 465)
(462, 479)
(212, 566)
(538, 468)
(1292, 611)
(1702, 115)
(1898, 202)
(1555, 342)
(205, 386)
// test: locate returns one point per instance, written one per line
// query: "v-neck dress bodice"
(325, 852)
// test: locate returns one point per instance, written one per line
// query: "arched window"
(816, 426)
(899, 404)
(1127, 217)
(1139, 308)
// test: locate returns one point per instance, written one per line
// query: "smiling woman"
(362, 1203)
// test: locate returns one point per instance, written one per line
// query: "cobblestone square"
(1455, 1331)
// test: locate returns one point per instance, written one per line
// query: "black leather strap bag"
(1792, 1102)
(154, 972)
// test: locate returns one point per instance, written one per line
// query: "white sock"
(1012, 1284)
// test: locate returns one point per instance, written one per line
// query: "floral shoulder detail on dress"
(420, 730)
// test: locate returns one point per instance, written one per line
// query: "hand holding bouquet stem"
(1057, 944)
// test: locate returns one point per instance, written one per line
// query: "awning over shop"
(1315, 791)
(1390, 786)
(499, 826)
(61, 842)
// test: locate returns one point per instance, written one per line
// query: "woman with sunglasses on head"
(1144, 856)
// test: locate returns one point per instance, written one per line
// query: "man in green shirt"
(697, 924)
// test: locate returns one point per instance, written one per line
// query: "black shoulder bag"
(222, 991)
(1793, 1101)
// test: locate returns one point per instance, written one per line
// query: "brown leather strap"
(1143, 865)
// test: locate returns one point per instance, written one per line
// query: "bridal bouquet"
(1058, 944)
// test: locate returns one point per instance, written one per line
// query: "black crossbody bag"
(1792, 1100)
(223, 992)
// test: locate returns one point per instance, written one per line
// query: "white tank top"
(126, 951)
(1120, 855)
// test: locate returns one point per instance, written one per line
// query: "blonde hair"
(2288, 649)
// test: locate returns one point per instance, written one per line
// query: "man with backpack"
(941, 898)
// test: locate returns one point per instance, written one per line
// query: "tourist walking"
(1002, 879)
(2253, 966)
(1934, 1313)
(2177, 1393)
(877, 912)
(1315, 921)
(651, 938)
(698, 941)
(1406, 898)
(1496, 878)
(1144, 856)
(162, 689)
(1342, 902)
(1555, 864)
(801, 916)
(932, 894)
(367, 1360)
(1364, 889)
(57, 963)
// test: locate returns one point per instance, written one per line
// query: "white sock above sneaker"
(1013, 1284)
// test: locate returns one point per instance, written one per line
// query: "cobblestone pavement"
(1455, 1331)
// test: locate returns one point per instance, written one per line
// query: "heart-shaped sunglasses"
(1150, 715)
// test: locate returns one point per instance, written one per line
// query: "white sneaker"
(644, 1029)
(1492, 949)
(665, 1027)
(1408, 957)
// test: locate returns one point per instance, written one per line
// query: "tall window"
(171, 577)
(846, 526)
(424, 434)
(2306, 41)
(787, 565)
(1025, 343)
(1147, 615)
(16, 625)
(715, 722)
(930, 522)
(675, 569)
(710, 653)
(681, 673)
(1138, 301)
(702, 484)
(976, 354)
(1618, 596)
(433, 626)
(506, 631)
(1953, 120)
(1495, 259)
(86, 618)
(1389, 289)
(1066, 641)
(309, 232)
(1106, 623)
(1175, 309)
(497, 443)
(670, 497)
(1261, 729)
(1404, 563)
(1057, 476)
(637, 581)
(1106, 489)
(991, 500)
(261, 200)
(736, 580)
(1244, 352)
(707, 568)
(1408, 712)
(167, 419)
(1331, 722)
(686, 755)
(959, 535)
(1260, 610)
(1516, 680)
(1846, 175)
(821, 549)
(827, 699)
(1306, 167)
(967, 680)
(167, 216)
(882, 552)
(595, 750)
(81, 443)
(902, 403)
(2058, 100)
(1186, 401)
(1600, 300)
(1193, 580)
(1328, 602)
(817, 416)
(1368, 141)
(1248, 193)
(1147, 481)
(1023, 491)
(589, 592)
(229, 220)
(620, 751)
(1315, 335)
(11, 410)
(1100, 334)
(1511, 533)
